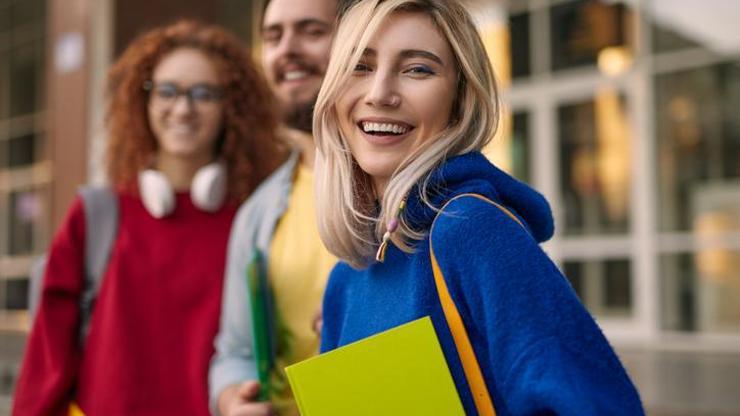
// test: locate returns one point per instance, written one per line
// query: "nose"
(382, 92)
(183, 105)
(289, 44)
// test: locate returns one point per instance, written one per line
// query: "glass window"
(236, 16)
(665, 39)
(581, 29)
(16, 294)
(700, 291)
(4, 162)
(24, 74)
(25, 213)
(604, 287)
(4, 84)
(26, 11)
(519, 47)
(4, 18)
(21, 150)
(595, 165)
(698, 140)
(520, 146)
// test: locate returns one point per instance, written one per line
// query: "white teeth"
(294, 75)
(369, 127)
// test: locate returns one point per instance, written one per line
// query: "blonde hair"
(349, 222)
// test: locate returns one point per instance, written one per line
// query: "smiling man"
(296, 38)
(275, 230)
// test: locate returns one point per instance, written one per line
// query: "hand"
(317, 323)
(241, 400)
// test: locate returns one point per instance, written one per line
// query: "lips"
(182, 129)
(384, 131)
(379, 128)
(295, 71)
(295, 75)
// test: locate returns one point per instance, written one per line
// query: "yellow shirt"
(298, 268)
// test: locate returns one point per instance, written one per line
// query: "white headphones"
(208, 190)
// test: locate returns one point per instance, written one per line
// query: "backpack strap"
(101, 227)
(36, 283)
(471, 368)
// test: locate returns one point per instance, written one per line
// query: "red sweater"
(151, 333)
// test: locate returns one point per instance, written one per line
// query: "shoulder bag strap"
(482, 398)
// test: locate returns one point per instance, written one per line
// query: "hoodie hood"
(473, 173)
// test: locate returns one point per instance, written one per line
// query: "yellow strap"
(482, 398)
(478, 388)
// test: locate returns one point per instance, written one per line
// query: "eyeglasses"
(166, 93)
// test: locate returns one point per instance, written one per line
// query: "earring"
(390, 229)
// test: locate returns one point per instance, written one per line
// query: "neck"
(379, 185)
(303, 142)
(180, 170)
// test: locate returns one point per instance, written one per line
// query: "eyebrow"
(300, 24)
(410, 53)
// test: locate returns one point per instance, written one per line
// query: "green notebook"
(397, 372)
(263, 322)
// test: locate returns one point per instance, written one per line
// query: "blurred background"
(625, 114)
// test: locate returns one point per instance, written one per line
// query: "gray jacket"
(253, 228)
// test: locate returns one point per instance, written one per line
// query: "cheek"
(436, 105)
(214, 121)
(150, 115)
(268, 64)
(344, 113)
(154, 120)
(322, 50)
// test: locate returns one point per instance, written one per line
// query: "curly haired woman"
(190, 137)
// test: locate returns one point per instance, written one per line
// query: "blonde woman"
(408, 101)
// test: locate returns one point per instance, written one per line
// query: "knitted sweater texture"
(153, 324)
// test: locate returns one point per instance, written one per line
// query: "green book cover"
(260, 299)
(401, 371)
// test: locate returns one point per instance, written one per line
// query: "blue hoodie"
(539, 350)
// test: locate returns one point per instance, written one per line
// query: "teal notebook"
(401, 371)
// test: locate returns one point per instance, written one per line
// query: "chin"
(376, 170)
(182, 152)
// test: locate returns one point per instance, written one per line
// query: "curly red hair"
(248, 144)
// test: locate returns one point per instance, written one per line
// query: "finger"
(248, 390)
(317, 322)
(253, 409)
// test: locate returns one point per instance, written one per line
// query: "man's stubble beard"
(300, 116)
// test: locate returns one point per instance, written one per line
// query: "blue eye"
(420, 70)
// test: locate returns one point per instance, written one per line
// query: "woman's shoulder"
(340, 273)
(469, 219)
(480, 240)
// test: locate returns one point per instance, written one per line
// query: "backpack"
(101, 226)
